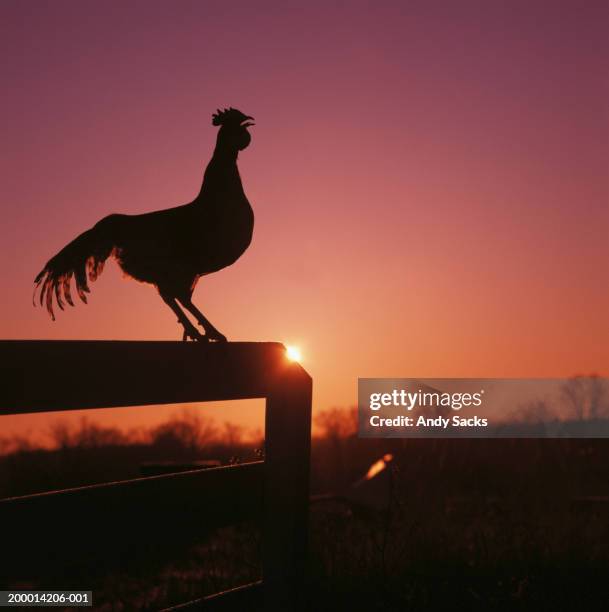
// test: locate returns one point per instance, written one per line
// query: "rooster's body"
(171, 248)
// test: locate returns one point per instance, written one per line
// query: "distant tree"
(87, 435)
(336, 423)
(92, 435)
(586, 397)
(232, 434)
(60, 434)
(534, 412)
(186, 432)
(16, 444)
(337, 426)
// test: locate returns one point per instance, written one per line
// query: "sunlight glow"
(293, 353)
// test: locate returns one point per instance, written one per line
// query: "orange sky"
(430, 183)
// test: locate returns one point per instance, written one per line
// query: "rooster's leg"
(210, 331)
(190, 331)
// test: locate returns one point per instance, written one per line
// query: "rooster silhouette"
(170, 249)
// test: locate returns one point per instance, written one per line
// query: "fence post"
(286, 490)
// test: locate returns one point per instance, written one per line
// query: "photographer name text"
(410, 400)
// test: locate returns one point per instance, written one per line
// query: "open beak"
(247, 123)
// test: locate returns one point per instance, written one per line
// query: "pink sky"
(430, 179)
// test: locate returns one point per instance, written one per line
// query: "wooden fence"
(62, 531)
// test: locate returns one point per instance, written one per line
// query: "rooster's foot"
(192, 334)
(208, 337)
(214, 336)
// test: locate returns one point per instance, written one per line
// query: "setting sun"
(293, 353)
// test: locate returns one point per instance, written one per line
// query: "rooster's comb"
(228, 115)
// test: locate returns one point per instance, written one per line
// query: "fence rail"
(61, 529)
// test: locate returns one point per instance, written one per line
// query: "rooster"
(170, 249)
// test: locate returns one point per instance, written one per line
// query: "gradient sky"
(430, 179)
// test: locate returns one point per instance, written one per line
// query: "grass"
(468, 524)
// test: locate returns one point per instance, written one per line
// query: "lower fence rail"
(112, 525)
(247, 597)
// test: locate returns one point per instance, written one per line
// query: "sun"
(293, 353)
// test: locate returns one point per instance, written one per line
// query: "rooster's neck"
(223, 153)
(221, 175)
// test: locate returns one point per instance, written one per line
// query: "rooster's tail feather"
(83, 257)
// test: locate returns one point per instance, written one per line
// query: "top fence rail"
(49, 375)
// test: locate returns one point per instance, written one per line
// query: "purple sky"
(430, 179)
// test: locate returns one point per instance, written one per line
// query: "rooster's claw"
(215, 337)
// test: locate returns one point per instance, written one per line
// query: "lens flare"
(379, 466)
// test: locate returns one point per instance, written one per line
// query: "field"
(471, 524)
